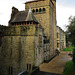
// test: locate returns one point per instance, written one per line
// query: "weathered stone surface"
(61, 39)
(27, 44)
(47, 19)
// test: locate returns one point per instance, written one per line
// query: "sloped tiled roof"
(23, 16)
(31, 17)
(20, 16)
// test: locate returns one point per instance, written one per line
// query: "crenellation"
(17, 30)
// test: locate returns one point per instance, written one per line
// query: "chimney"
(14, 11)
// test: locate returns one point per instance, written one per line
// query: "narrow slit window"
(27, 66)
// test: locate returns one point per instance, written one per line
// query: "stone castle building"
(61, 39)
(30, 38)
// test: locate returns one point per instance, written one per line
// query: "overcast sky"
(65, 8)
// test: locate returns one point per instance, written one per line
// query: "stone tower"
(45, 13)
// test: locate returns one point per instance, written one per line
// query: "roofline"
(37, 1)
(25, 21)
(33, 1)
(60, 28)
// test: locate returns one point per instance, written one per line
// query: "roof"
(23, 16)
(31, 17)
(33, 1)
(20, 16)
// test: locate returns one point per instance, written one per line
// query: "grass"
(68, 49)
(69, 68)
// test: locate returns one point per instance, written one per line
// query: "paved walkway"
(57, 64)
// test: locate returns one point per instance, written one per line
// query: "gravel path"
(57, 64)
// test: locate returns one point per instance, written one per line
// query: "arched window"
(33, 11)
(36, 10)
(44, 9)
(40, 10)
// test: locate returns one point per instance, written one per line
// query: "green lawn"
(69, 68)
(68, 49)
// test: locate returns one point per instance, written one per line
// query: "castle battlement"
(18, 30)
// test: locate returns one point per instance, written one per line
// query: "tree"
(71, 33)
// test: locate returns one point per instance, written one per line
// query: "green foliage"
(69, 68)
(71, 30)
(71, 33)
(68, 49)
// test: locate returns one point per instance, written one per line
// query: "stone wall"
(47, 18)
(39, 52)
(19, 47)
(61, 39)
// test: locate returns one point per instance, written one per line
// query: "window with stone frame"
(29, 66)
(36, 10)
(40, 10)
(57, 45)
(10, 70)
(33, 11)
(44, 9)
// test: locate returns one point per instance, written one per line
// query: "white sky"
(65, 9)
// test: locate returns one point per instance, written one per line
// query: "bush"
(69, 68)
